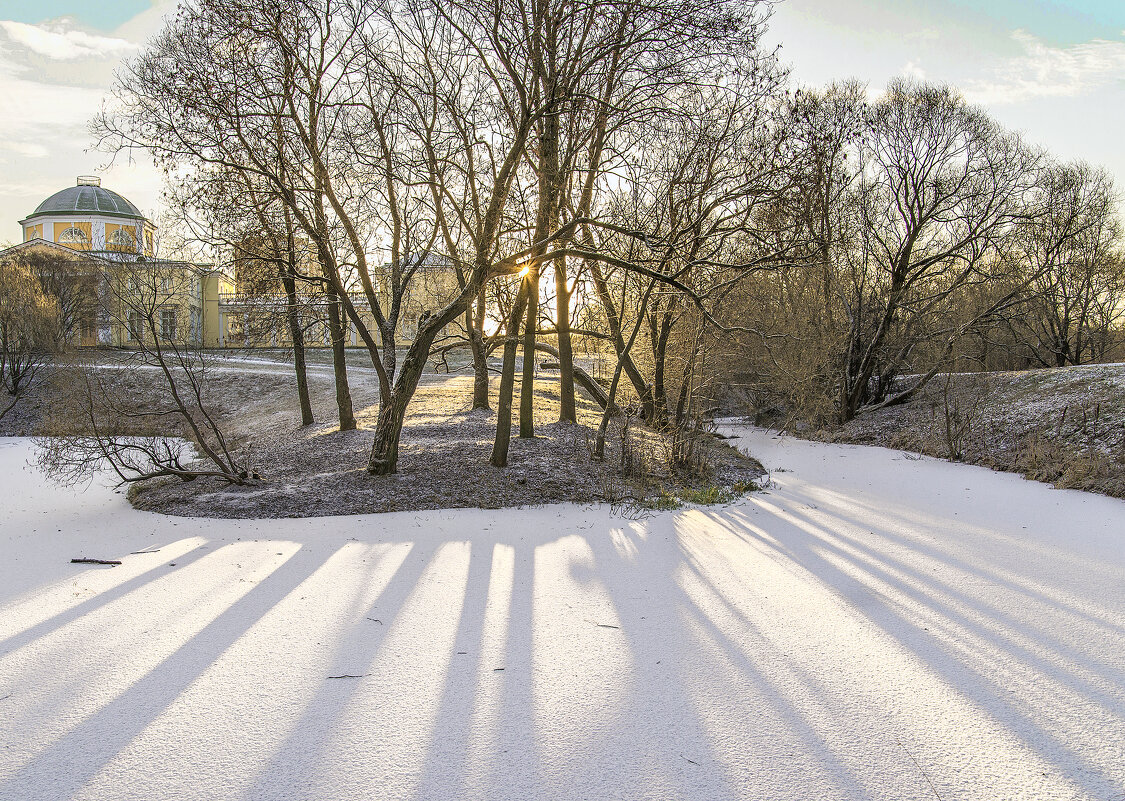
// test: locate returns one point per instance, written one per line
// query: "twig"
(925, 775)
(85, 561)
(692, 761)
(349, 676)
(134, 553)
(601, 625)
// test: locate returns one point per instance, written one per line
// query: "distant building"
(105, 245)
(88, 217)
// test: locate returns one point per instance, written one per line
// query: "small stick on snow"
(922, 770)
(349, 676)
(85, 561)
(692, 761)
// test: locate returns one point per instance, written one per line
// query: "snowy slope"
(872, 627)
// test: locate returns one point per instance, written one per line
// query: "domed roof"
(87, 199)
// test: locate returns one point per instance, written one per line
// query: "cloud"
(1045, 71)
(913, 70)
(60, 43)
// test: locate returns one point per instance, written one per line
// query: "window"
(73, 236)
(167, 323)
(88, 324)
(166, 283)
(136, 326)
(121, 240)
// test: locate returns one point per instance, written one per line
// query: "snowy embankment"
(874, 626)
(1063, 425)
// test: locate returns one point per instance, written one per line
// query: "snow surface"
(875, 626)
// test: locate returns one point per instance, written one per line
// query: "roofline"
(40, 242)
(70, 213)
(94, 255)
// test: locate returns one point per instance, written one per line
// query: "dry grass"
(443, 463)
(1064, 426)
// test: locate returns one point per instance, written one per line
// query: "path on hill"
(874, 626)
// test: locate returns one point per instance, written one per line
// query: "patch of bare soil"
(443, 463)
(1064, 426)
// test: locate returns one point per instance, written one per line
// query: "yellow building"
(104, 243)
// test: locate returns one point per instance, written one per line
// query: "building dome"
(84, 200)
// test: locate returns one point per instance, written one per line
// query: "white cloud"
(60, 43)
(913, 70)
(1045, 71)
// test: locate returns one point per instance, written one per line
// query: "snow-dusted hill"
(1065, 426)
(874, 626)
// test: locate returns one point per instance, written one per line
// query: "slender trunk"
(546, 222)
(660, 361)
(622, 355)
(507, 381)
(527, 382)
(339, 363)
(288, 276)
(567, 412)
(603, 424)
(613, 321)
(297, 335)
(474, 322)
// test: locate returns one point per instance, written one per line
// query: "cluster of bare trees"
(628, 173)
(620, 143)
(927, 237)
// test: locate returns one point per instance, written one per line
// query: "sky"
(1053, 70)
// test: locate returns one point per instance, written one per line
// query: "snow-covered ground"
(875, 626)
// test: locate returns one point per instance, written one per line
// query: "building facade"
(109, 249)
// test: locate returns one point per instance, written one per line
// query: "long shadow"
(635, 614)
(444, 773)
(296, 759)
(77, 756)
(1005, 625)
(801, 548)
(515, 723)
(29, 635)
(952, 559)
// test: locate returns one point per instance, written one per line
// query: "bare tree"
(1072, 251)
(30, 331)
(942, 188)
(149, 413)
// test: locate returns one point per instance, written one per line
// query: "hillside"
(1065, 426)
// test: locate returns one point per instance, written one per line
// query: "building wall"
(97, 228)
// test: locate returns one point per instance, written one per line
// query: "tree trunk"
(527, 382)
(392, 413)
(474, 323)
(567, 412)
(613, 322)
(507, 381)
(297, 335)
(661, 332)
(339, 363)
(603, 424)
